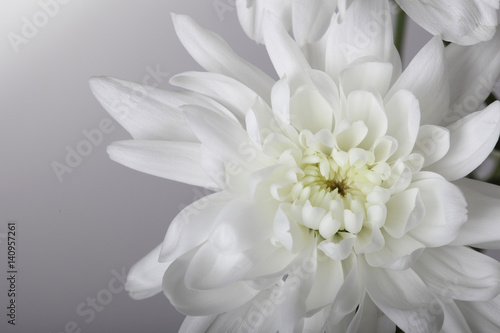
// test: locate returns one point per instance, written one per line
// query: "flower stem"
(400, 31)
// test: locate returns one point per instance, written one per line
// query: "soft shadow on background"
(82, 224)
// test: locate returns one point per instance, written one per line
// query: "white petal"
(405, 210)
(311, 18)
(369, 319)
(403, 115)
(339, 250)
(426, 77)
(329, 279)
(454, 321)
(368, 107)
(403, 297)
(145, 277)
(251, 15)
(483, 227)
(397, 254)
(482, 316)
(472, 139)
(234, 95)
(147, 113)
(215, 55)
(445, 212)
(364, 31)
(225, 138)
(461, 22)
(286, 56)
(192, 226)
(433, 142)
(199, 324)
(474, 71)
(293, 236)
(309, 110)
(369, 76)
(211, 268)
(349, 295)
(459, 272)
(179, 161)
(240, 226)
(202, 302)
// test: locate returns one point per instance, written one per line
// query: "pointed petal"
(215, 55)
(147, 113)
(483, 227)
(474, 71)
(461, 22)
(472, 139)
(145, 277)
(179, 161)
(426, 77)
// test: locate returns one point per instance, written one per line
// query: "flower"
(338, 202)
(463, 22)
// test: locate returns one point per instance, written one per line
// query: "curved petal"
(192, 226)
(472, 139)
(454, 321)
(405, 210)
(309, 110)
(215, 55)
(234, 95)
(147, 113)
(397, 254)
(483, 227)
(403, 115)
(328, 280)
(459, 272)
(461, 22)
(427, 78)
(179, 161)
(433, 142)
(196, 324)
(145, 277)
(240, 226)
(445, 212)
(474, 71)
(194, 302)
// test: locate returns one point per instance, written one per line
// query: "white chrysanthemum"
(464, 22)
(339, 202)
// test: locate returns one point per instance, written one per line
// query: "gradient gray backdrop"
(102, 216)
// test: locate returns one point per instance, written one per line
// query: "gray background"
(102, 216)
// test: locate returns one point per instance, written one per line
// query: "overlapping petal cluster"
(339, 201)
